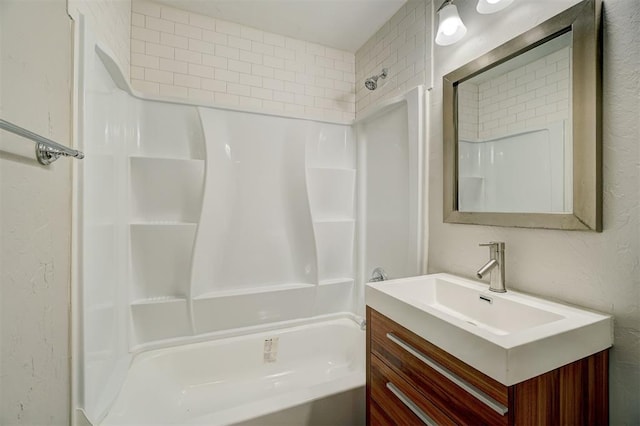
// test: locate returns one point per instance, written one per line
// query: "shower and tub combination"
(221, 255)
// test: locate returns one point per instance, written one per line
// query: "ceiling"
(341, 24)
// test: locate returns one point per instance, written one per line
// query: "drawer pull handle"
(411, 405)
(477, 393)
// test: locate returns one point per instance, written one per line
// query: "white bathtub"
(317, 376)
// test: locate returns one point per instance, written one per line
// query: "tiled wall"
(110, 20)
(468, 108)
(190, 56)
(401, 46)
(528, 97)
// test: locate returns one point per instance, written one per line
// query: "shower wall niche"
(166, 176)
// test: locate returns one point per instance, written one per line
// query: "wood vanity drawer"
(466, 395)
(403, 404)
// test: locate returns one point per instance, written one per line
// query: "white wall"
(190, 56)
(595, 270)
(35, 215)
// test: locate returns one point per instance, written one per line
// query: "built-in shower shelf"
(163, 299)
(163, 225)
(252, 290)
(332, 169)
(163, 159)
(337, 281)
(334, 220)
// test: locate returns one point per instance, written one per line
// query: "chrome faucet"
(378, 275)
(495, 266)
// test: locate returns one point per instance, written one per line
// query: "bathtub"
(301, 375)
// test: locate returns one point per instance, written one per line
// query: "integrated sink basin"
(510, 336)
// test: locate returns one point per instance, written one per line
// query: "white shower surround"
(184, 257)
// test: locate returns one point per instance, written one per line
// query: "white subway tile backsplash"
(215, 37)
(159, 50)
(239, 43)
(249, 102)
(174, 40)
(173, 66)
(215, 61)
(137, 46)
(261, 70)
(294, 87)
(202, 21)
(274, 39)
(213, 85)
(253, 58)
(250, 80)
(146, 86)
(188, 31)
(226, 75)
(239, 66)
(185, 80)
(285, 75)
(145, 61)
(259, 47)
(201, 46)
(188, 56)
(145, 34)
(251, 34)
(238, 89)
(137, 73)
(173, 91)
(201, 70)
(273, 62)
(159, 24)
(158, 76)
(260, 93)
(285, 97)
(273, 106)
(227, 52)
(270, 83)
(226, 99)
(229, 28)
(175, 15)
(201, 95)
(185, 55)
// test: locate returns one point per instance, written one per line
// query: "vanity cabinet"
(411, 381)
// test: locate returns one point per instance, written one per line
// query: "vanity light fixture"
(450, 26)
(492, 6)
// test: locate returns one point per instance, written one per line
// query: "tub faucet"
(378, 275)
(495, 266)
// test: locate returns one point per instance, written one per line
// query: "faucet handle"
(498, 245)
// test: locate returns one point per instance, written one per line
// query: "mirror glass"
(514, 134)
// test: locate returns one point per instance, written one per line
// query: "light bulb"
(492, 6)
(451, 28)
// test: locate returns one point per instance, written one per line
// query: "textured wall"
(35, 215)
(401, 46)
(110, 20)
(595, 270)
(190, 56)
